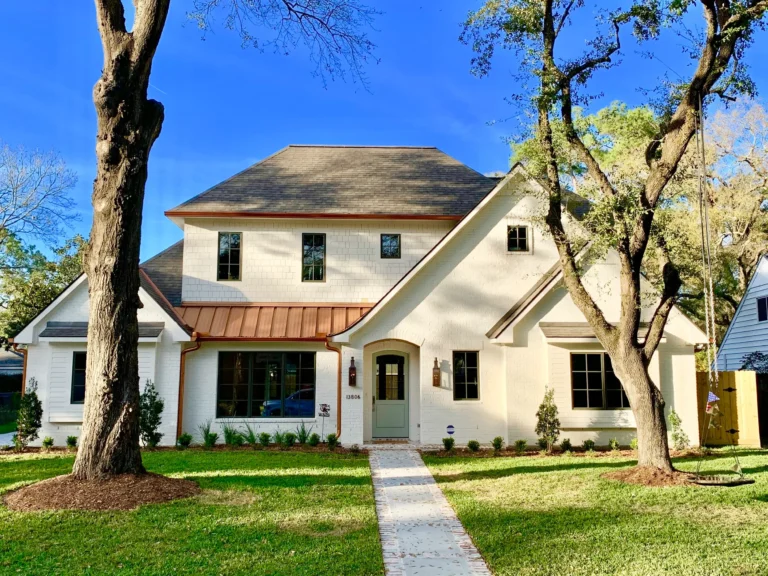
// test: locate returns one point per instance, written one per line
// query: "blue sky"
(228, 106)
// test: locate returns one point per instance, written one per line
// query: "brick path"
(420, 533)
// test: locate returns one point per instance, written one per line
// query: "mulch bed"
(649, 476)
(123, 492)
(510, 453)
(218, 448)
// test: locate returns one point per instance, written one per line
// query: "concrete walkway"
(6, 439)
(420, 533)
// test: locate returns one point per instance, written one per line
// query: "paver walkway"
(6, 439)
(420, 533)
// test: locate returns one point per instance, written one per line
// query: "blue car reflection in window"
(301, 403)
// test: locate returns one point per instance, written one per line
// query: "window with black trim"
(762, 309)
(390, 245)
(313, 257)
(517, 239)
(229, 256)
(594, 384)
(466, 368)
(77, 394)
(266, 385)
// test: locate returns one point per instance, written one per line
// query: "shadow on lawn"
(515, 470)
(238, 481)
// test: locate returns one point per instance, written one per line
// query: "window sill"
(278, 420)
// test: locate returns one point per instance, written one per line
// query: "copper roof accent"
(269, 321)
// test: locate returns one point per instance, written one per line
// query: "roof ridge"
(362, 146)
(151, 258)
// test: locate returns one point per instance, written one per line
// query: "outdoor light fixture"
(436, 375)
(352, 373)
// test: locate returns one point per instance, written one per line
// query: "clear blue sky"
(228, 106)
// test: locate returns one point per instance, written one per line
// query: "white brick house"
(433, 278)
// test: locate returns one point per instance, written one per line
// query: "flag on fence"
(712, 398)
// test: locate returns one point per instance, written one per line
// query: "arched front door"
(390, 397)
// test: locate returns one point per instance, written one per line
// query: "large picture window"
(77, 395)
(313, 257)
(594, 384)
(229, 256)
(266, 385)
(466, 385)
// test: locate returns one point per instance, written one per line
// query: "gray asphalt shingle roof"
(80, 329)
(349, 180)
(165, 270)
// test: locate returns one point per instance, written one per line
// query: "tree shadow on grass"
(239, 481)
(516, 470)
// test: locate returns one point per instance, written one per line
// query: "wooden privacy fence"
(737, 407)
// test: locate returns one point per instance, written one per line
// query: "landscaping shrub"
(548, 424)
(302, 433)
(232, 436)
(289, 439)
(543, 444)
(566, 445)
(473, 445)
(47, 443)
(264, 439)
(613, 444)
(150, 409)
(209, 438)
(633, 444)
(333, 441)
(7, 415)
(184, 441)
(680, 439)
(250, 436)
(589, 445)
(449, 443)
(521, 446)
(277, 437)
(355, 449)
(498, 443)
(29, 417)
(314, 439)
(71, 443)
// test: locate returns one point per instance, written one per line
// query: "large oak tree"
(331, 31)
(628, 202)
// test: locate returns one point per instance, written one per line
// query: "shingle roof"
(165, 269)
(80, 329)
(348, 180)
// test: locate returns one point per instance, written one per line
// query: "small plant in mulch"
(277, 437)
(332, 441)
(264, 439)
(250, 436)
(150, 411)
(71, 443)
(588, 445)
(303, 433)
(498, 444)
(521, 446)
(680, 440)
(565, 445)
(232, 436)
(633, 444)
(184, 441)
(473, 445)
(29, 417)
(289, 439)
(613, 444)
(209, 438)
(354, 449)
(548, 424)
(449, 443)
(314, 439)
(543, 445)
(47, 443)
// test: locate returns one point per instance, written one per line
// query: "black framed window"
(266, 385)
(390, 245)
(229, 256)
(762, 309)
(517, 239)
(77, 395)
(594, 385)
(313, 257)
(466, 368)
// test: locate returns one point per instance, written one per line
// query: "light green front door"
(390, 397)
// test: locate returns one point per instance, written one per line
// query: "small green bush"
(498, 443)
(289, 439)
(232, 436)
(29, 417)
(354, 449)
(47, 443)
(633, 444)
(332, 440)
(314, 439)
(680, 440)
(71, 443)
(548, 424)
(613, 444)
(449, 443)
(277, 437)
(543, 444)
(264, 439)
(566, 445)
(589, 445)
(302, 433)
(473, 445)
(521, 446)
(250, 435)
(184, 441)
(209, 438)
(150, 412)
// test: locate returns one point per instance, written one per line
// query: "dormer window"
(518, 239)
(229, 256)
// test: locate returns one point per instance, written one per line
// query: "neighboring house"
(748, 331)
(401, 291)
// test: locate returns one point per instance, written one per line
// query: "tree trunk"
(128, 125)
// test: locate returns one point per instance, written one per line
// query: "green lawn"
(555, 515)
(259, 513)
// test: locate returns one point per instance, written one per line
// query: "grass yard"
(556, 516)
(259, 513)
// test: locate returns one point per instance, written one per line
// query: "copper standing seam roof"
(273, 321)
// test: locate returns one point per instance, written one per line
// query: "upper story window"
(77, 395)
(518, 239)
(390, 245)
(466, 385)
(762, 309)
(229, 256)
(313, 257)
(593, 383)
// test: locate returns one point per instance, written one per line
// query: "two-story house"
(394, 289)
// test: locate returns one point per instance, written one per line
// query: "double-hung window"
(229, 256)
(762, 309)
(313, 257)
(466, 368)
(594, 384)
(77, 393)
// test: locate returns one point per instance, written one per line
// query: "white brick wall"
(271, 258)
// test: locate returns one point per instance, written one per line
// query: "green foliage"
(543, 444)
(264, 439)
(314, 439)
(29, 417)
(473, 445)
(633, 444)
(302, 433)
(498, 443)
(232, 436)
(250, 435)
(613, 444)
(71, 443)
(449, 443)
(150, 411)
(332, 441)
(47, 443)
(355, 449)
(521, 446)
(184, 441)
(278, 436)
(548, 424)
(289, 440)
(208, 438)
(680, 440)
(566, 445)
(588, 445)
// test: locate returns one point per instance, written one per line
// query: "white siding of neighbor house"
(271, 259)
(745, 334)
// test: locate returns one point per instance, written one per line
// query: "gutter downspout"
(338, 388)
(23, 352)
(182, 370)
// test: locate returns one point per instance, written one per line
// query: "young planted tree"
(627, 200)
(332, 31)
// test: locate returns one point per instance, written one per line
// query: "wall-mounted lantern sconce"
(436, 375)
(352, 373)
